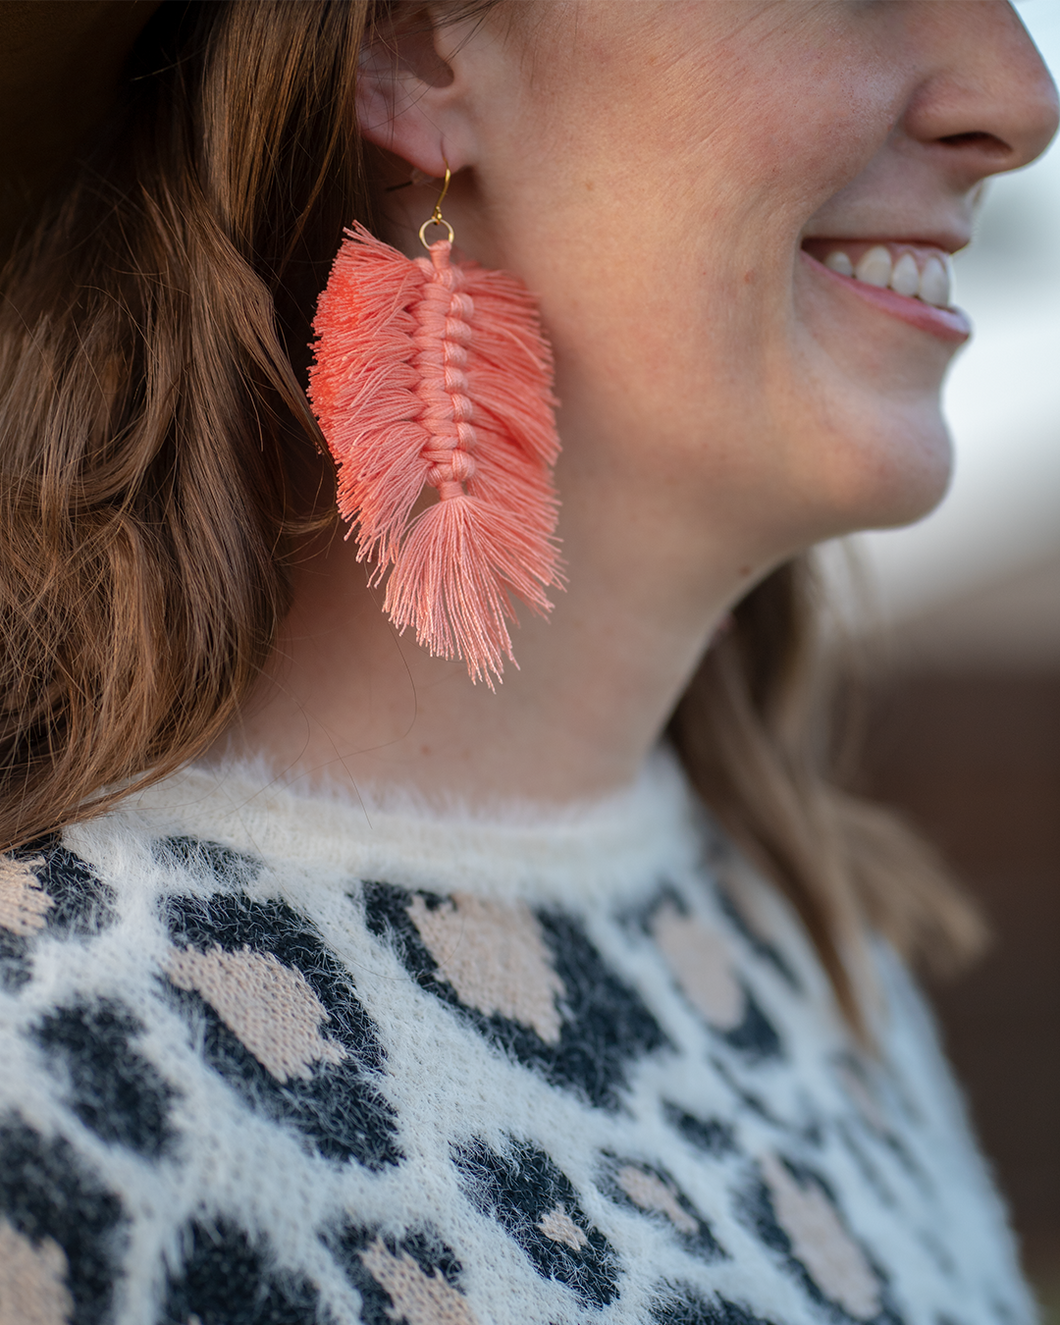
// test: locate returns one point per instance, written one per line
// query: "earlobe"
(409, 102)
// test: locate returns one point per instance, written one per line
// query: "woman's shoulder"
(315, 1070)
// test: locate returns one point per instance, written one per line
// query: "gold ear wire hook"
(436, 217)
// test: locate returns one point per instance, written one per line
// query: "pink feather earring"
(435, 374)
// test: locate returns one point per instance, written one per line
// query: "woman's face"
(670, 176)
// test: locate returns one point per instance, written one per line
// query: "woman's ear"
(409, 99)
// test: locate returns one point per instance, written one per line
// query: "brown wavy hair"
(158, 464)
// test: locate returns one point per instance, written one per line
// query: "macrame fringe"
(430, 374)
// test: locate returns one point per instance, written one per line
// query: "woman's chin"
(891, 477)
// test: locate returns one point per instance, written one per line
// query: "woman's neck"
(345, 697)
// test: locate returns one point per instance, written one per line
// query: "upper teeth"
(932, 283)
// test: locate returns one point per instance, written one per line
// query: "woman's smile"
(912, 282)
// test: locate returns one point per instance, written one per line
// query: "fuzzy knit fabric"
(269, 1058)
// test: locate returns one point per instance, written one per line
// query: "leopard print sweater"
(275, 1059)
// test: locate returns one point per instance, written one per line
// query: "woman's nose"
(988, 101)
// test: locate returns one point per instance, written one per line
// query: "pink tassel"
(434, 374)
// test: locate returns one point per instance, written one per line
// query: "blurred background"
(960, 618)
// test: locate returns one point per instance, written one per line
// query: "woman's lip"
(949, 324)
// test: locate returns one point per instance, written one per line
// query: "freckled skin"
(651, 171)
(731, 130)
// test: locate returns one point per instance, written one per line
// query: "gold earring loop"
(436, 217)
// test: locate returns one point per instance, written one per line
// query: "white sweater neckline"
(607, 847)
